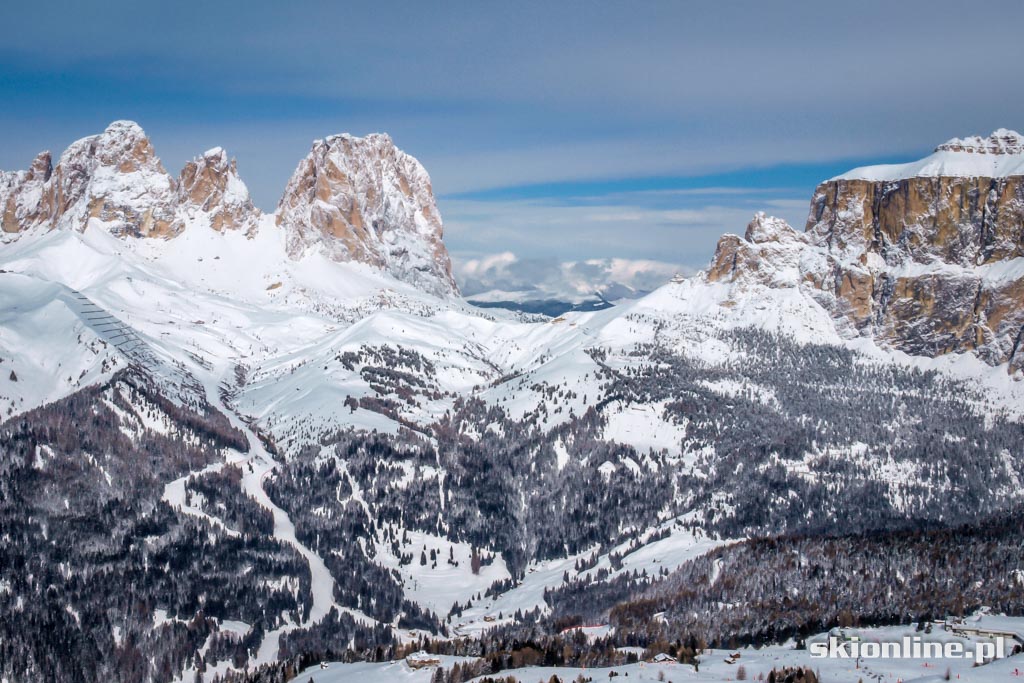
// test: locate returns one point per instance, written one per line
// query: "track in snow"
(262, 464)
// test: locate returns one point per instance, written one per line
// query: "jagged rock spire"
(363, 199)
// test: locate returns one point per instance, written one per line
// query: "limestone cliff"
(351, 199)
(114, 179)
(363, 199)
(926, 257)
(209, 188)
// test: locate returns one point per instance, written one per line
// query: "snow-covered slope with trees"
(397, 462)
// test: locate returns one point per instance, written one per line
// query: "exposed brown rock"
(354, 199)
(363, 199)
(114, 178)
(209, 186)
(117, 180)
(953, 235)
(928, 265)
(727, 256)
(966, 221)
(20, 194)
(768, 254)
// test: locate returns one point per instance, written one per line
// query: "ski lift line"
(118, 334)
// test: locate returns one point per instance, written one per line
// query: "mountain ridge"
(931, 264)
(115, 180)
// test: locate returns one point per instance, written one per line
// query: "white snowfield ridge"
(998, 156)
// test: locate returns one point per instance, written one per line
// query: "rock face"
(353, 199)
(930, 263)
(21, 194)
(209, 188)
(114, 178)
(768, 254)
(363, 199)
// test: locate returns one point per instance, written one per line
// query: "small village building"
(422, 660)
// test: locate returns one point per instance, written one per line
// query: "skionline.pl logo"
(910, 647)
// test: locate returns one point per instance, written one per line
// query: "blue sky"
(552, 131)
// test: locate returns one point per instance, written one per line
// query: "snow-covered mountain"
(358, 200)
(114, 178)
(289, 435)
(364, 200)
(927, 257)
(209, 189)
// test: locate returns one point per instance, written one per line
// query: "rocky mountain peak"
(126, 147)
(352, 198)
(41, 168)
(363, 199)
(927, 257)
(116, 180)
(768, 254)
(764, 228)
(1001, 141)
(209, 188)
(21, 193)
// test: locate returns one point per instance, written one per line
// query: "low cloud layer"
(505, 276)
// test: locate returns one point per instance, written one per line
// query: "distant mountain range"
(544, 286)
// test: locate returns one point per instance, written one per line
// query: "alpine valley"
(235, 444)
